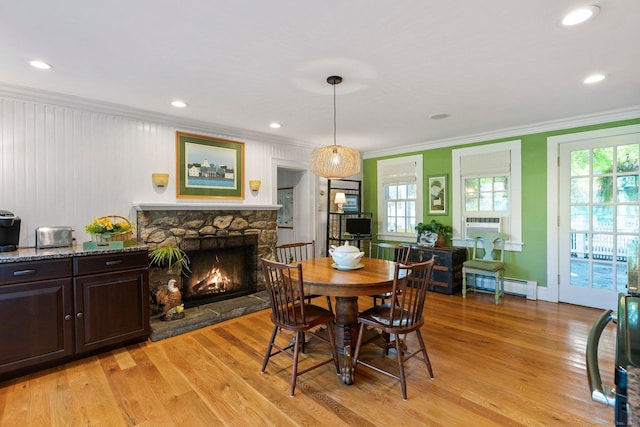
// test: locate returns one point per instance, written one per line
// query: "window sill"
(398, 237)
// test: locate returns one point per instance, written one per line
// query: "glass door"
(599, 218)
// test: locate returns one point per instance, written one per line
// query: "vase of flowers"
(110, 228)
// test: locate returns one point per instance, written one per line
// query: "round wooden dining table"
(321, 278)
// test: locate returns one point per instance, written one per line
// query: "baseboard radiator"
(518, 287)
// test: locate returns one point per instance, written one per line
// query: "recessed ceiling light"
(275, 125)
(594, 78)
(438, 116)
(178, 104)
(40, 65)
(580, 15)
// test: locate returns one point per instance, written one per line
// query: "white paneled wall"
(63, 164)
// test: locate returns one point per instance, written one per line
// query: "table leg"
(346, 332)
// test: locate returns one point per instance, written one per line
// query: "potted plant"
(433, 233)
(171, 257)
(172, 262)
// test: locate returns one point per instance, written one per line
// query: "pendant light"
(335, 161)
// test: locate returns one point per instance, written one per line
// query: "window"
(486, 194)
(400, 201)
(399, 197)
(488, 179)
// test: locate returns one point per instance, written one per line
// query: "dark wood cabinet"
(36, 302)
(447, 271)
(111, 296)
(54, 310)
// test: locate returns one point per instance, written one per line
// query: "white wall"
(63, 162)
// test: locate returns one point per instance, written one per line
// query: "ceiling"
(489, 65)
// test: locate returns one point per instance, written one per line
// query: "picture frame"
(438, 193)
(209, 167)
(353, 203)
(285, 212)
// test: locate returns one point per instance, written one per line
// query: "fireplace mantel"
(189, 206)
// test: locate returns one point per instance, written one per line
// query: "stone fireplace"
(222, 267)
(224, 246)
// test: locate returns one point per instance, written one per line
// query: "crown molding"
(553, 125)
(69, 101)
(190, 206)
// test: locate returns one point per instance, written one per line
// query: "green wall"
(531, 263)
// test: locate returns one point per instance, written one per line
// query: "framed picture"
(285, 212)
(438, 194)
(353, 203)
(209, 167)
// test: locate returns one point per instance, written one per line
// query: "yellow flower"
(105, 225)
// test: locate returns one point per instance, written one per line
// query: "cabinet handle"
(114, 262)
(79, 315)
(24, 272)
(67, 317)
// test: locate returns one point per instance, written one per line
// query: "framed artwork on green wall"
(438, 193)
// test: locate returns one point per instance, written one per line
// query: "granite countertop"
(33, 254)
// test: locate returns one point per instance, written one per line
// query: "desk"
(376, 277)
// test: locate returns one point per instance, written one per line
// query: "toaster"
(54, 237)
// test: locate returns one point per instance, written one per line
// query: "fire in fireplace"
(222, 268)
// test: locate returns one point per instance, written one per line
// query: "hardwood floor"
(520, 363)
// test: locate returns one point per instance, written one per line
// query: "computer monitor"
(358, 226)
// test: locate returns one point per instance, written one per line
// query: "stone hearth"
(208, 314)
(174, 227)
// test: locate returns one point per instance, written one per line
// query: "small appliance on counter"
(624, 395)
(54, 237)
(9, 231)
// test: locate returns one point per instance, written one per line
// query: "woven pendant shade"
(335, 161)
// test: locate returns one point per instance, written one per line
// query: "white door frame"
(552, 291)
(304, 196)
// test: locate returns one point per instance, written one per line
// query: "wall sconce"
(160, 179)
(340, 200)
(254, 184)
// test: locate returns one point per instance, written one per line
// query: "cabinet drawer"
(32, 271)
(93, 264)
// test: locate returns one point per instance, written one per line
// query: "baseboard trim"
(519, 287)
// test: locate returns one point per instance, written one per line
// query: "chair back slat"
(488, 246)
(286, 291)
(293, 252)
(389, 252)
(410, 286)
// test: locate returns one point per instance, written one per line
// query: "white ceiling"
(490, 65)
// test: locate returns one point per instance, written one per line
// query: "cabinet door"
(111, 308)
(36, 321)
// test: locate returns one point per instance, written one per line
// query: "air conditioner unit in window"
(472, 224)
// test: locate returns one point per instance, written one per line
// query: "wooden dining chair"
(402, 316)
(285, 285)
(298, 251)
(389, 252)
